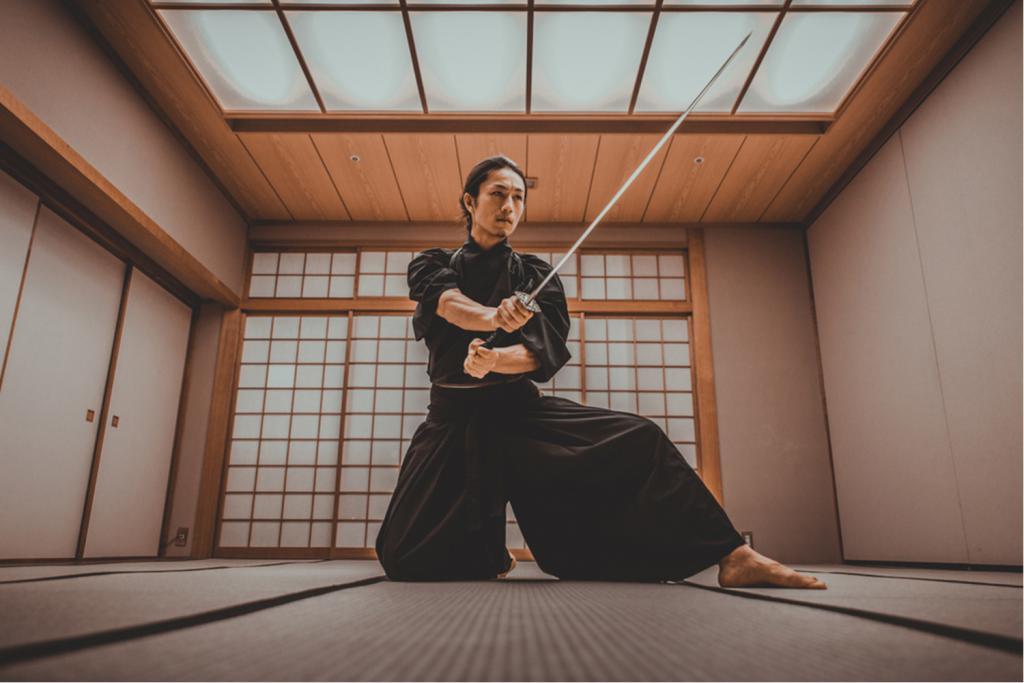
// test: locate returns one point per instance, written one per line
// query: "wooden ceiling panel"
(427, 168)
(684, 187)
(134, 34)
(563, 166)
(760, 169)
(292, 164)
(929, 34)
(367, 186)
(617, 157)
(474, 147)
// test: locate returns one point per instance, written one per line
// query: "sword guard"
(524, 299)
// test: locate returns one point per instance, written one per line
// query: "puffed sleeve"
(429, 276)
(545, 333)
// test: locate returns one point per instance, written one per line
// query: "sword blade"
(638, 171)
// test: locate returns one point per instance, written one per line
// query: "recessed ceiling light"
(698, 160)
(354, 158)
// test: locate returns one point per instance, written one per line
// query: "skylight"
(689, 47)
(244, 56)
(454, 83)
(815, 60)
(359, 60)
(500, 56)
(586, 61)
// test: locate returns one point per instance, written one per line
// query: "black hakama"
(598, 494)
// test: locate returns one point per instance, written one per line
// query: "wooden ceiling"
(748, 174)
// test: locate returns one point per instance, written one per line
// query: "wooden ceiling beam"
(531, 123)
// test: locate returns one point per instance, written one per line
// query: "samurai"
(599, 494)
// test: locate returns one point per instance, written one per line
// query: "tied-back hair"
(479, 174)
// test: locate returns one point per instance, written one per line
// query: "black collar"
(502, 247)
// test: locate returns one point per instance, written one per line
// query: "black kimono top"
(487, 277)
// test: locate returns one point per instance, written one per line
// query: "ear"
(467, 200)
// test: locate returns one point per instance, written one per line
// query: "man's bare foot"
(744, 567)
(510, 567)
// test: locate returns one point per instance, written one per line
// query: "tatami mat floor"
(341, 620)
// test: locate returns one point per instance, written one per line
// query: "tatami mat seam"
(47, 648)
(990, 640)
(912, 578)
(153, 571)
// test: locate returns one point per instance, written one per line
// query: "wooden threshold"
(39, 145)
(749, 124)
(337, 234)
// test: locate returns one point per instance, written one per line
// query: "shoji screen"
(327, 401)
(283, 461)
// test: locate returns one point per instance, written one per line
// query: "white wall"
(776, 476)
(50, 63)
(917, 280)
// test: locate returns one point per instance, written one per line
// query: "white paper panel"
(852, 3)
(454, 83)
(586, 61)
(724, 3)
(244, 56)
(815, 58)
(642, 3)
(286, 3)
(689, 48)
(359, 60)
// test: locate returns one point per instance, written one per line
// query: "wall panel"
(962, 150)
(893, 466)
(17, 215)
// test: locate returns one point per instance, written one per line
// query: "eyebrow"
(503, 186)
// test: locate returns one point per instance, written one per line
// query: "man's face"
(499, 205)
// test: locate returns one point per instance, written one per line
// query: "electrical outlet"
(748, 537)
(182, 536)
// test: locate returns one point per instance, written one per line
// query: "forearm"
(463, 312)
(515, 359)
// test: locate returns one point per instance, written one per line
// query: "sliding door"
(53, 389)
(135, 458)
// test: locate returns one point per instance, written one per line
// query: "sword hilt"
(527, 300)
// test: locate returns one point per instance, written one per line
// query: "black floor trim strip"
(151, 571)
(57, 646)
(911, 578)
(967, 635)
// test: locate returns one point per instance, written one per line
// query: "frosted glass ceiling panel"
(861, 3)
(244, 56)
(586, 61)
(412, 3)
(724, 3)
(689, 47)
(216, 2)
(472, 61)
(815, 59)
(286, 3)
(359, 60)
(552, 3)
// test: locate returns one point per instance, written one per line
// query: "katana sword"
(529, 300)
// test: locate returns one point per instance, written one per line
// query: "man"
(598, 494)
